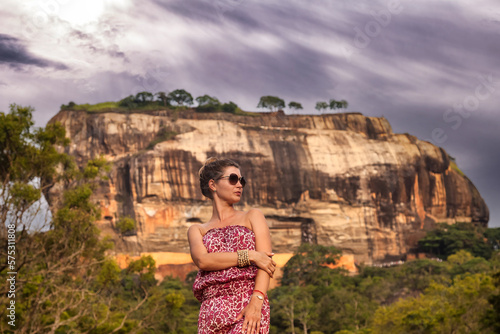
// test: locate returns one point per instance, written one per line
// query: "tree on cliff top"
(162, 97)
(144, 97)
(207, 103)
(295, 105)
(342, 104)
(181, 97)
(230, 107)
(271, 102)
(321, 105)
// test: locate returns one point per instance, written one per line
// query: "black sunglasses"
(233, 179)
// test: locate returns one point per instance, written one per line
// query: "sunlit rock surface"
(344, 180)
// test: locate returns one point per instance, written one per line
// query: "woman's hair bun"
(213, 168)
(207, 162)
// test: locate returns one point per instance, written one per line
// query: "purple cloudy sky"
(432, 68)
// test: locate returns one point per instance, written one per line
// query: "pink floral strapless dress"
(224, 293)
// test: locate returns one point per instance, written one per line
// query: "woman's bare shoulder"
(255, 217)
(196, 228)
(254, 213)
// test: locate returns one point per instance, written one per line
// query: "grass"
(111, 107)
(163, 135)
(454, 166)
(115, 107)
(238, 111)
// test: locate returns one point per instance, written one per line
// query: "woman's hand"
(252, 313)
(263, 260)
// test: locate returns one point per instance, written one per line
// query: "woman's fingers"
(249, 328)
(244, 326)
(270, 270)
(254, 325)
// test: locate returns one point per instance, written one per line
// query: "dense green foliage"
(65, 282)
(446, 239)
(459, 295)
(126, 226)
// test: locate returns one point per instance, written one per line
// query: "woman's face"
(225, 190)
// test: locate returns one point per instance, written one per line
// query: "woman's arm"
(252, 312)
(262, 244)
(205, 260)
(218, 261)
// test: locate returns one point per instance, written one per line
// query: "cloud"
(94, 45)
(428, 57)
(15, 54)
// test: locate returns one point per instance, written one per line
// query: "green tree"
(207, 103)
(230, 107)
(65, 282)
(126, 226)
(271, 102)
(295, 105)
(343, 308)
(129, 102)
(109, 274)
(181, 97)
(464, 263)
(321, 106)
(162, 97)
(446, 240)
(492, 317)
(144, 97)
(207, 99)
(294, 307)
(417, 275)
(27, 157)
(305, 309)
(145, 269)
(459, 308)
(309, 264)
(342, 104)
(493, 237)
(70, 106)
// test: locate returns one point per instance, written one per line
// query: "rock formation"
(335, 179)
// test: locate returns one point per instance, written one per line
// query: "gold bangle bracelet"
(243, 258)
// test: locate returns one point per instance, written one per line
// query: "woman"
(233, 252)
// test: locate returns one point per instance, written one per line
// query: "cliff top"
(371, 127)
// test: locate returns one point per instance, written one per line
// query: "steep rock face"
(336, 179)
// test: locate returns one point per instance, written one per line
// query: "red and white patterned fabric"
(224, 293)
